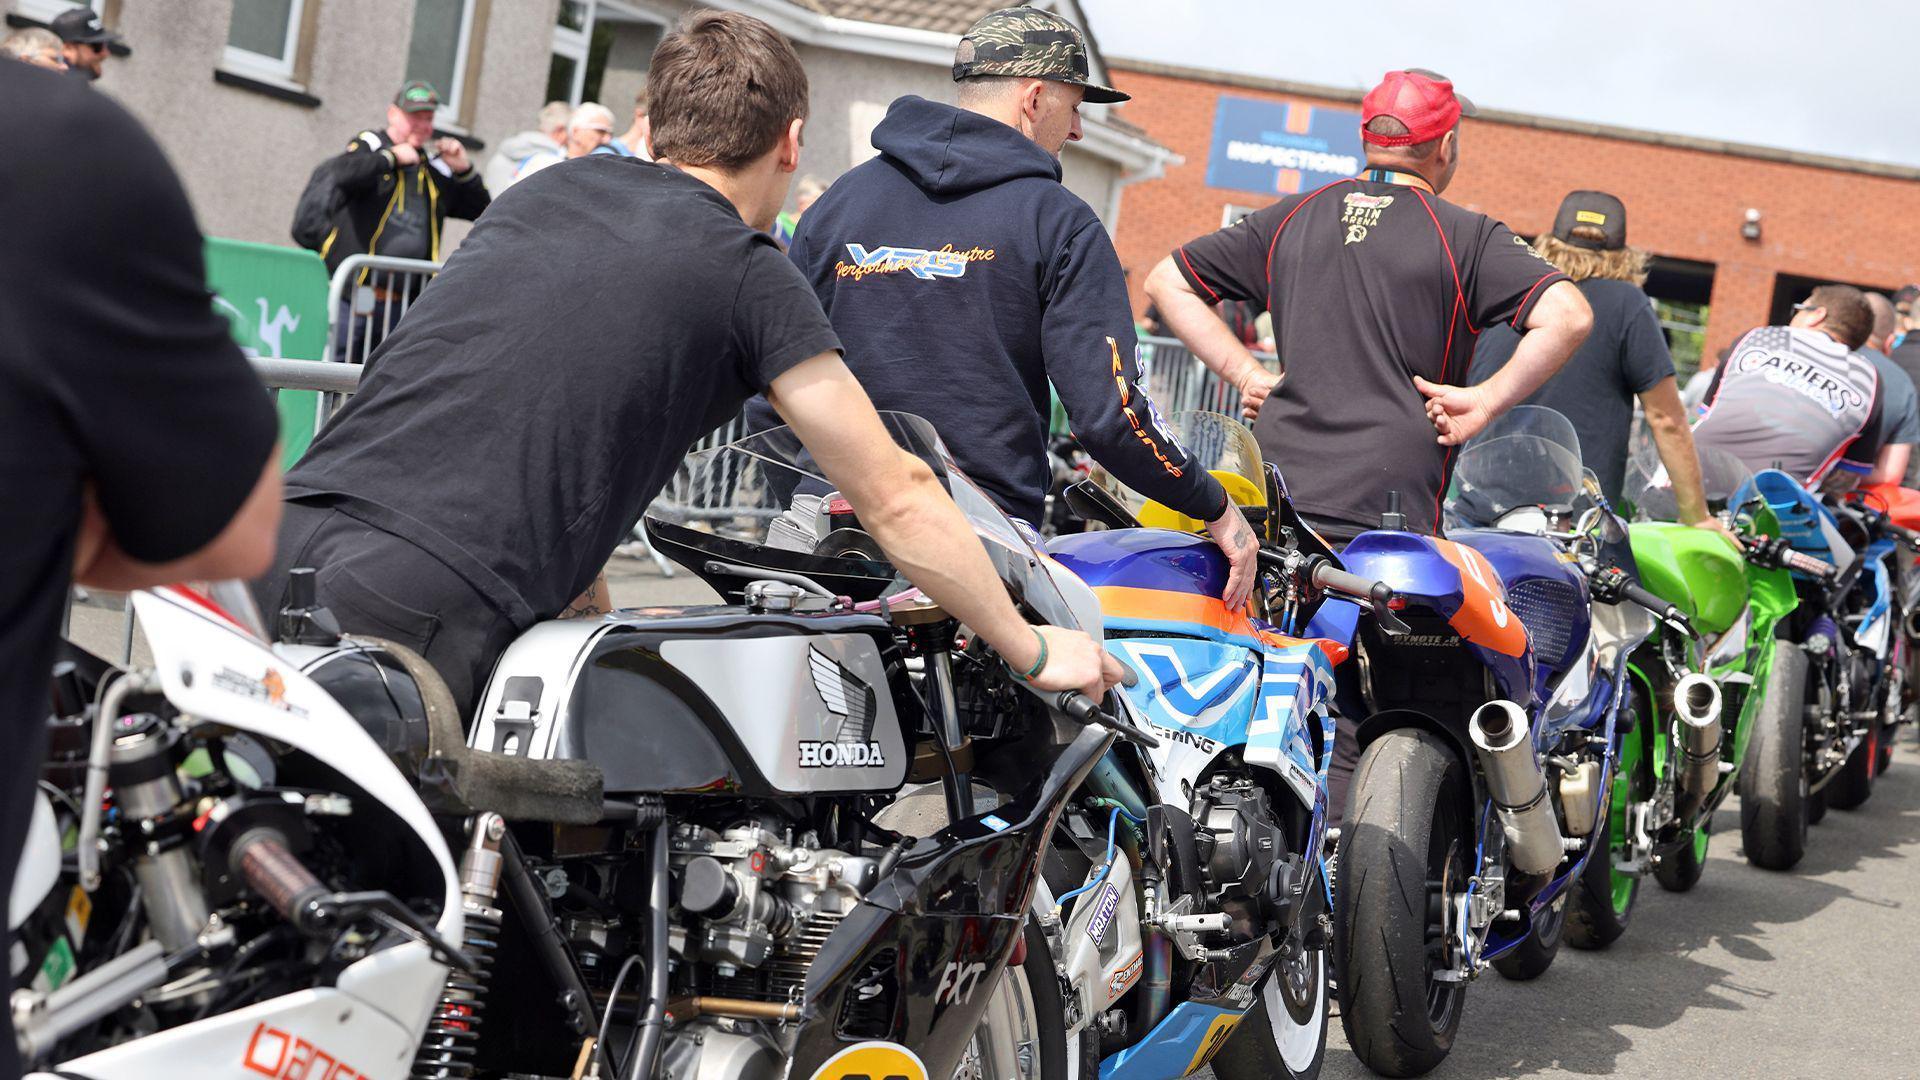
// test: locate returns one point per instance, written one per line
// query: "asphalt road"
(1815, 972)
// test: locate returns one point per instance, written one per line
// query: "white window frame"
(447, 118)
(268, 68)
(1234, 212)
(575, 45)
(47, 10)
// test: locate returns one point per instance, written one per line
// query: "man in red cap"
(1377, 288)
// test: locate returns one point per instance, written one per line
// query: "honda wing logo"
(850, 705)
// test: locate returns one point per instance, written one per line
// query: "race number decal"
(873, 1061)
(1216, 1037)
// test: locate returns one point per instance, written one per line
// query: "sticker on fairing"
(1104, 910)
(873, 1059)
(996, 823)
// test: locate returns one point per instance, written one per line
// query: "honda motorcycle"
(1849, 668)
(1485, 736)
(1222, 875)
(225, 876)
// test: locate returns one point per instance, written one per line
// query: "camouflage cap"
(1026, 43)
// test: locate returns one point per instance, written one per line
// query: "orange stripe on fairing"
(1484, 617)
(1159, 605)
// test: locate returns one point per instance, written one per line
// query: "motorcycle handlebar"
(1333, 579)
(1082, 709)
(1661, 609)
(261, 858)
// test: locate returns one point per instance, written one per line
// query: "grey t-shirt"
(1793, 398)
(1899, 410)
(1625, 355)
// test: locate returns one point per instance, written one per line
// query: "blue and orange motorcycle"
(1223, 823)
(1484, 736)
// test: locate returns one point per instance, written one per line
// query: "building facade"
(247, 96)
(1742, 231)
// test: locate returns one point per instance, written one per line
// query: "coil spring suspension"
(453, 1035)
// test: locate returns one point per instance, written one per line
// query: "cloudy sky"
(1831, 78)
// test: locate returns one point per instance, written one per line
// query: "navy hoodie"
(961, 277)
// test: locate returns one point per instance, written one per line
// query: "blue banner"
(1280, 148)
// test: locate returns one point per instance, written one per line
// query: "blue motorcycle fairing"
(1547, 591)
(1177, 1046)
(1413, 566)
(1805, 523)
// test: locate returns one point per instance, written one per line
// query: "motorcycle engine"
(1243, 851)
(756, 906)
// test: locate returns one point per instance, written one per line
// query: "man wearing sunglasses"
(85, 41)
(1800, 396)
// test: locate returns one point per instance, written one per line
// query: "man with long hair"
(1623, 358)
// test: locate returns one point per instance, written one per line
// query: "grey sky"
(1831, 78)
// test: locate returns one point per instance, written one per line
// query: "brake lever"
(1084, 709)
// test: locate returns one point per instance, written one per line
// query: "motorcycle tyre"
(1409, 791)
(1594, 919)
(1680, 869)
(1774, 801)
(1531, 958)
(1260, 1048)
(1045, 1019)
(1852, 786)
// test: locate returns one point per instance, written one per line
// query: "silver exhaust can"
(1696, 701)
(1504, 745)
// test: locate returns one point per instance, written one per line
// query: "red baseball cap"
(1423, 100)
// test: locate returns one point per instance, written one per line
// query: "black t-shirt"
(603, 315)
(1624, 356)
(1370, 282)
(114, 371)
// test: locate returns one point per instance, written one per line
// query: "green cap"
(1026, 43)
(417, 96)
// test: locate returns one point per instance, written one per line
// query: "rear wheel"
(1853, 785)
(1679, 870)
(1531, 958)
(1285, 1033)
(1602, 899)
(1773, 780)
(1404, 851)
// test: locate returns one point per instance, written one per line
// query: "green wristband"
(1040, 664)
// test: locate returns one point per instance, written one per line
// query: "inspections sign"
(1280, 148)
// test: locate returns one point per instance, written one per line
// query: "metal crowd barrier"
(368, 296)
(1178, 382)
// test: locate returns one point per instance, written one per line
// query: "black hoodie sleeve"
(1088, 338)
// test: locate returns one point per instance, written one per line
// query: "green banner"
(275, 299)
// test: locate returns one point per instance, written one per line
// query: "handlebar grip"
(1807, 564)
(261, 858)
(1331, 577)
(1659, 606)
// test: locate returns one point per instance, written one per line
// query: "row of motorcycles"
(819, 831)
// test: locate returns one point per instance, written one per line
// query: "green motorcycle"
(1700, 686)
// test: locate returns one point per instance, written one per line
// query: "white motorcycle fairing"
(370, 1022)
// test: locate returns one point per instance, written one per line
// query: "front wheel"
(1406, 848)
(1285, 1033)
(1023, 1031)
(1531, 958)
(1774, 801)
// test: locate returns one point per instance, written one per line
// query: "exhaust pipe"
(1518, 786)
(1696, 700)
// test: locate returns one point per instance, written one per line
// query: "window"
(572, 42)
(1235, 213)
(438, 51)
(263, 38)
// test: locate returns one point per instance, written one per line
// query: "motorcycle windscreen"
(1219, 444)
(1528, 458)
(1650, 489)
(758, 502)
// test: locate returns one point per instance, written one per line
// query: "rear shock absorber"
(453, 1035)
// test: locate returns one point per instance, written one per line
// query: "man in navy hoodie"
(961, 277)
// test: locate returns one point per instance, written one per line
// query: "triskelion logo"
(849, 698)
(947, 262)
(1362, 213)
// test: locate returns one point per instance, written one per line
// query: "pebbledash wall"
(1820, 218)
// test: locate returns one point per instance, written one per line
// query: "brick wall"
(1686, 203)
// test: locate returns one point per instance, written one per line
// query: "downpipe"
(1696, 701)
(1504, 746)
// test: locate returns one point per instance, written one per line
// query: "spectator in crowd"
(136, 448)
(1906, 357)
(522, 155)
(590, 131)
(85, 41)
(1624, 357)
(635, 141)
(1886, 323)
(1899, 404)
(390, 193)
(804, 193)
(35, 46)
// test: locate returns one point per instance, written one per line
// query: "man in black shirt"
(136, 448)
(504, 443)
(1623, 358)
(964, 279)
(1377, 288)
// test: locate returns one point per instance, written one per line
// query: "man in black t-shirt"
(504, 444)
(1623, 358)
(136, 448)
(1377, 288)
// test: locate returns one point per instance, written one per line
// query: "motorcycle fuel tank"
(1155, 579)
(707, 700)
(1693, 569)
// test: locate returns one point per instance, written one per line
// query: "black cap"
(1592, 212)
(82, 26)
